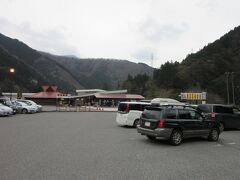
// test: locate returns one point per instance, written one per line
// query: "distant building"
(49, 95)
(105, 98)
(17, 95)
(98, 97)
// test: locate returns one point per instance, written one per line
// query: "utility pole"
(152, 58)
(233, 97)
(227, 76)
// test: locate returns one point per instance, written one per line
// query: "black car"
(227, 115)
(176, 122)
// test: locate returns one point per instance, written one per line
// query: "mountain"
(100, 73)
(207, 69)
(35, 68)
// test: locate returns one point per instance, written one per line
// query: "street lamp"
(12, 70)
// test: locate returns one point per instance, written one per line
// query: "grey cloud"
(156, 33)
(49, 40)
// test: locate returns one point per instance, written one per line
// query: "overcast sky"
(121, 29)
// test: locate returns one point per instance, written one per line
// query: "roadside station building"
(87, 97)
(104, 98)
(49, 95)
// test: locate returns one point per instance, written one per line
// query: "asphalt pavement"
(90, 145)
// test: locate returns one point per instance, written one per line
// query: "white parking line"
(231, 143)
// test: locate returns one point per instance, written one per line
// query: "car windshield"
(23, 103)
(28, 103)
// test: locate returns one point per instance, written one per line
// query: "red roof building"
(49, 95)
(49, 92)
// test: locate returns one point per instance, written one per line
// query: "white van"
(165, 101)
(129, 113)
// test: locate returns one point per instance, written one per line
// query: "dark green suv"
(176, 122)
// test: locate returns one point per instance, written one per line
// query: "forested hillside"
(205, 70)
(35, 68)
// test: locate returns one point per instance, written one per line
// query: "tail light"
(161, 123)
(213, 115)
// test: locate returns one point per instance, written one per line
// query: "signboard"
(194, 96)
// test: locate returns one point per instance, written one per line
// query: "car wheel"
(176, 137)
(24, 111)
(221, 127)
(136, 122)
(152, 138)
(214, 134)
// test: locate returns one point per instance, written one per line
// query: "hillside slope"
(100, 73)
(206, 69)
(68, 73)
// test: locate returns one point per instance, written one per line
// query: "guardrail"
(79, 108)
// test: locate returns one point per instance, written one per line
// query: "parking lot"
(90, 145)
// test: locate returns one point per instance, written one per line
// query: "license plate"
(147, 124)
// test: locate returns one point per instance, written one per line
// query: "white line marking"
(231, 143)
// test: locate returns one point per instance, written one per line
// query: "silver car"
(5, 111)
(31, 103)
(24, 108)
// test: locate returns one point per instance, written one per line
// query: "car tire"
(214, 134)
(152, 138)
(136, 122)
(176, 137)
(221, 126)
(24, 111)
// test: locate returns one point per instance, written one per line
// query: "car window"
(18, 104)
(152, 114)
(143, 106)
(184, 114)
(195, 115)
(223, 109)
(204, 108)
(170, 114)
(122, 107)
(28, 103)
(135, 107)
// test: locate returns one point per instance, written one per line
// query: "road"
(90, 145)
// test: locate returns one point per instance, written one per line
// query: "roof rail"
(179, 105)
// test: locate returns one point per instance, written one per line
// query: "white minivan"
(129, 113)
(165, 101)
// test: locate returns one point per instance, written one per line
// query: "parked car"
(7, 102)
(31, 103)
(165, 101)
(227, 115)
(129, 113)
(176, 122)
(5, 110)
(24, 108)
